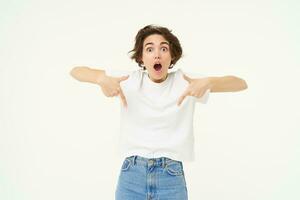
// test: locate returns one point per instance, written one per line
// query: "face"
(156, 57)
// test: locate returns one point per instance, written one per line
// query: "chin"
(161, 77)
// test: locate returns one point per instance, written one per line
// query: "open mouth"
(157, 67)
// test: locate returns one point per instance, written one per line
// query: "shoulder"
(176, 72)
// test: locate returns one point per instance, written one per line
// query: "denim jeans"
(151, 179)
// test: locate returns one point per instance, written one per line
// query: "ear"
(141, 64)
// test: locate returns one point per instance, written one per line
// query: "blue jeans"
(156, 179)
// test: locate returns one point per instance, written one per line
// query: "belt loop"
(163, 162)
(134, 158)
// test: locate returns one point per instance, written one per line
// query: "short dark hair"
(175, 47)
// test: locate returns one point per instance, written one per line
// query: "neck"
(159, 81)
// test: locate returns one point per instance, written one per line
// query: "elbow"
(74, 72)
(244, 85)
(240, 84)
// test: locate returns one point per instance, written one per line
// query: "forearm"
(226, 84)
(86, 74)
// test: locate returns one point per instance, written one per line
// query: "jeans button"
(151, 162)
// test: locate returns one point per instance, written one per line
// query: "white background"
(58, 136)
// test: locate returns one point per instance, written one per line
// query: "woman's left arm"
(198, 86)
(226, 84)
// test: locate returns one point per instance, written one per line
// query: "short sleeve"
(205, 96)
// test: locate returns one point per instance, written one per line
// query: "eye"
(149, 49)
(164, 49)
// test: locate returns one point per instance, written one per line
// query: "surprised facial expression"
(156, 57)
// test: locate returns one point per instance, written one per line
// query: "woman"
(157, 115)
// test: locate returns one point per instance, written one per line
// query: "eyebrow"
(151, 43)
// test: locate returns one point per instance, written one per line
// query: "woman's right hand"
(110, 86)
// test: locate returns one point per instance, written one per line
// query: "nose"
(157, 55)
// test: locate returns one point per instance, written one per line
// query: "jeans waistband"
(161, 161)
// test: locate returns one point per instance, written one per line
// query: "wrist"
(211, 81)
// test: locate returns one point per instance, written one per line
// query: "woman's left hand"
(197, 87)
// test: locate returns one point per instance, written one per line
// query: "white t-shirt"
(152, 125)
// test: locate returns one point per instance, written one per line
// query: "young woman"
(156, 114)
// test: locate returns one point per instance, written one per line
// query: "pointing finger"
(123, 98)
(182, 97)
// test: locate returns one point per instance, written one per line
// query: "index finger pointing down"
(182, 97)
(123, 98)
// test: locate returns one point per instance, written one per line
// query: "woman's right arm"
(110, 86)
(86, 74)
